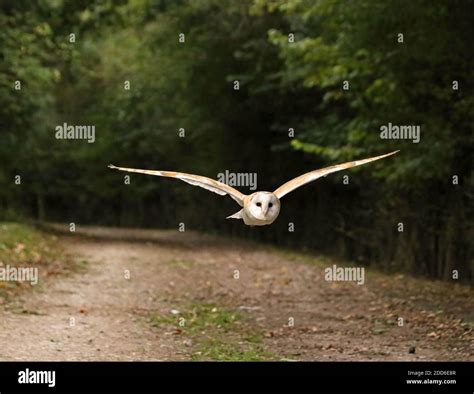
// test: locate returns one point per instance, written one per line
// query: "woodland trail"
(102, 314)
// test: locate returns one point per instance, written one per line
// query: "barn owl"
(259, 208)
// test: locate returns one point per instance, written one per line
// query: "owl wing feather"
(195, 180)
(313, 175)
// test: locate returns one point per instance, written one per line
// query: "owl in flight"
(259, 208)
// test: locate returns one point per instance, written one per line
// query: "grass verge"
(216, 333)
(22, 245)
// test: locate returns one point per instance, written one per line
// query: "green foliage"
(402, 83)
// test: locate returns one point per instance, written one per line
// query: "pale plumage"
(260, 208)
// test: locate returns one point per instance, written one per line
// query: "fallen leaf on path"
(19, 247)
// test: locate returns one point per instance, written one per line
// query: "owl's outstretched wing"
(313, 175)
(195, 180)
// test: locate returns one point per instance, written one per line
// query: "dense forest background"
(405, 62)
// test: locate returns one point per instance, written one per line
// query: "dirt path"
(99, 314)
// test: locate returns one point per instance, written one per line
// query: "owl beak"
(265, 210)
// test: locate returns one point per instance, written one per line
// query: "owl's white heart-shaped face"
(264, 206)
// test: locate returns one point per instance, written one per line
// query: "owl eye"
(270, 205)
(259, 204)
